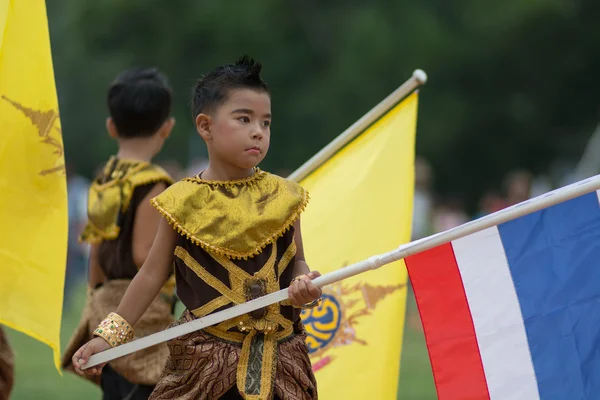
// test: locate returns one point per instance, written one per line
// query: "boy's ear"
(203, 126)
(167, 127)
(111, 128)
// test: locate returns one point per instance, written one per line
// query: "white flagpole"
(527, 207)
(418, 78)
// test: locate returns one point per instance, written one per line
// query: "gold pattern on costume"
(110, 195)
(260, 347)
(289, 253)
(211, 306)
(263, 207)
(333, 322)
(232, 295)
(260, 332)
(46, 124)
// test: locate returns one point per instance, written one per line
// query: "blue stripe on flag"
(554, 259)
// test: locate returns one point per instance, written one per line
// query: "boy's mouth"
(253, 149)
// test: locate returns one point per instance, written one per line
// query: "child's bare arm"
(302, 291)
(300, 266)
(145, 225)
(147, 283)
(144, 287)
(96, 275)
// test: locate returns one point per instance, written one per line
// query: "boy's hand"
(303, 291)
(81, 357)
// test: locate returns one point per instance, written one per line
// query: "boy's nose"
(257, 134)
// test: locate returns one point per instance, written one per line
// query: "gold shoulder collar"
(110, 195)
(234, 218)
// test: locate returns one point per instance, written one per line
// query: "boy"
(233, 232)
(122, 225)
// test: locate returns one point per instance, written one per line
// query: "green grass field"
(36, 377)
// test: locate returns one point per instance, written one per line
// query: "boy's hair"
(212, 89)
(139, 102)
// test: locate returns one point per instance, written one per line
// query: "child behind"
(233, 232)
(122, 225)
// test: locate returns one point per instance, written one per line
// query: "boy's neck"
(216, 172)
(139, 149)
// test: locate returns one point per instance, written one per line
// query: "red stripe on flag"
(449, 331)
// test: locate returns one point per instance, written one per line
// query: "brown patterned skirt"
(7, 373)
(203, 367)
(143, 367)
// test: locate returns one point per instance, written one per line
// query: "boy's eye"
(244, 119)
(267, 124)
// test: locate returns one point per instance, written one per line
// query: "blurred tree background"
(512, 84)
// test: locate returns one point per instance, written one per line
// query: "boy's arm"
(302, 291)
(96, 275)
(145, 225)
(144, 287)
(147, 283)
(300, 266)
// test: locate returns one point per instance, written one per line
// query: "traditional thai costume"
(236, 243)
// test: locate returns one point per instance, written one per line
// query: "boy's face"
(240, 129)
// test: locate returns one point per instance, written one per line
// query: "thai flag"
(513, 311)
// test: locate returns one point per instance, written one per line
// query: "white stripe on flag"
(496, 316)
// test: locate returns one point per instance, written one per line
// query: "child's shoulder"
(181, 190)
(149, 173)
(111, 194)
(117, 174)
(286, 183)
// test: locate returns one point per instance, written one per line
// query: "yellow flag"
(361, 205)
(33, 203)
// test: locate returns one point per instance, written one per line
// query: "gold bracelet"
(312, 304)
(299, 278)
(115, 330)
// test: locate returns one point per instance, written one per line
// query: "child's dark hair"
(213, 88)
(139, 102)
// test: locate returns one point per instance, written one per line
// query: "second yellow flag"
(361, 205)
